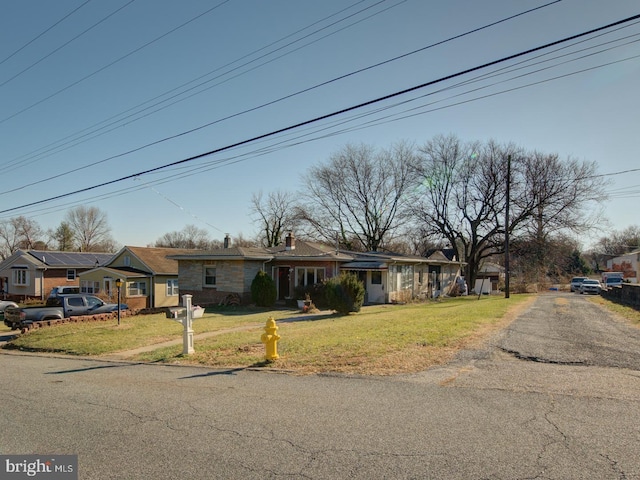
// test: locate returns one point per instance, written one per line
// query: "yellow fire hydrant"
(270, 339)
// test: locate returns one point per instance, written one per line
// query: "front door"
(108, 287)
(284, 288)
(376, 287)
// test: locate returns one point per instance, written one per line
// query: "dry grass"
(381, 340)
(628, 313)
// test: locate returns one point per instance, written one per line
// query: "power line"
(116, 124)
(298, 140)
(272, 102)
(329, 115)
(618, 173)
(219, 163)
(44, 32)
(104, 19)
(86, 77)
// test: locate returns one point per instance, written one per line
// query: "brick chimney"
(290, 242)
(227, 241)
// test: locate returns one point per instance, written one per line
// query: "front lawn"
(381, 339)
(103, 337)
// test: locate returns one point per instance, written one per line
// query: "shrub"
(316, 292)
(263, 290)
(345, 294)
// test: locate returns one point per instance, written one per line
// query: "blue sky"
(82, 83)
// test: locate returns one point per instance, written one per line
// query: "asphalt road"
(554, 396)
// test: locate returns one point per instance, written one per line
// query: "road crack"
(533, 358)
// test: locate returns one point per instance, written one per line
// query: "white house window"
(209, 276)
(376, 277)
(401, 277)
(20, 277)
(87, 286)
(127, 261)
(137, 288)
(172, 288)
(71, 274)
(309, 275)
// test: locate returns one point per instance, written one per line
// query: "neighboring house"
(33, 273)
(488, 278)
(392, 278)
(149, 277)
(629, 263)
(213, 275)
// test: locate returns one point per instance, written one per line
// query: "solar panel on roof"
(72, 259)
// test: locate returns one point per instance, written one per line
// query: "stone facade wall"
(232, 277)
(190, 273)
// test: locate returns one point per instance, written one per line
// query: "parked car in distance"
(614, 282)
(63, 290)
(576, 282)
(590, 286)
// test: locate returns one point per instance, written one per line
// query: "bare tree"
(358, 196)
(462, 196)
(275, 215)
(19, 232)
(91, 231)
(240, 241)
(190, 236)
(562, 258)
(614, 244)
(554, 197)
(619, 242)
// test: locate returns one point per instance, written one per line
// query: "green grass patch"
(103, 337)
(380, 339)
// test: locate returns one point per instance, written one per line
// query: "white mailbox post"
(184, 315)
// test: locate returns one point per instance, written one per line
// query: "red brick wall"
(55, 277)
(134, 303)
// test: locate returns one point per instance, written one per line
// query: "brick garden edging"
(100, 317)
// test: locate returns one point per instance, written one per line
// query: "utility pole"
(506, 230)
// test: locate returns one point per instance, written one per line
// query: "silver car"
(5, 303)
(590, 286)
(576, 282)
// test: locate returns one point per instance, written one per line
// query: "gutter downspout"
(152, 281)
